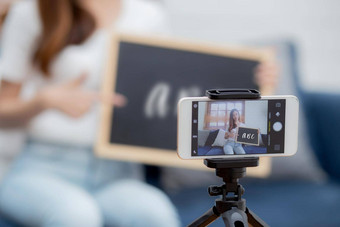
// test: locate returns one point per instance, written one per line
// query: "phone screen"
(238, 127)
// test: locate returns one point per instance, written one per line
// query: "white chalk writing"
(248, 136)
(157, 101)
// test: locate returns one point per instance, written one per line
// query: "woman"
(53, 57)
(231, 146)
(4, 6)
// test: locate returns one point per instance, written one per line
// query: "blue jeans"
(232, 147)
(52, 185)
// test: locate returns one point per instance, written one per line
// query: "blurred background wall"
(312, 24)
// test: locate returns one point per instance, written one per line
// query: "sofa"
(211, 142)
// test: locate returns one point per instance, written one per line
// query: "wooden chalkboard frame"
(162, 157)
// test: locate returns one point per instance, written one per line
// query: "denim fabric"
(232, 147)
(52, 185)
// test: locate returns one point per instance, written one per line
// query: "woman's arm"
(68, 98)
(15, 112)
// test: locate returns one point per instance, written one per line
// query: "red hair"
(64, 22)
(232, 123)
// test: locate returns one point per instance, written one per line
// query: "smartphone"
(210, 128)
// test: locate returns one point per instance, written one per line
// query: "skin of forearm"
(17, 113)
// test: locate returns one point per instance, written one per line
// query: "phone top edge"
(218, 100)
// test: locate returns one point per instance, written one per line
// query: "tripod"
(232, 208)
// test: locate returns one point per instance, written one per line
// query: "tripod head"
(230, 170)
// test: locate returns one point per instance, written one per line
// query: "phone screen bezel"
(185, 128)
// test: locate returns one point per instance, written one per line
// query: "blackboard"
(248, 136)
(163, 71)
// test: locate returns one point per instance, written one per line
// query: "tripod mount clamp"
(237, 93)
(233, 94)
(234, 167)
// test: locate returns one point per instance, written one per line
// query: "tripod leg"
(255, 220)
(207, 218)
(235, 218)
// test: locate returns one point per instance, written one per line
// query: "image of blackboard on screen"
(248, 136)
(153, 74)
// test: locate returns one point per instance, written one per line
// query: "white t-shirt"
(21, 32)
(234, 130)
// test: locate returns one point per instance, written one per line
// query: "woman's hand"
(226, 135)
(232, 135)
(74, 101)
(266, 76)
